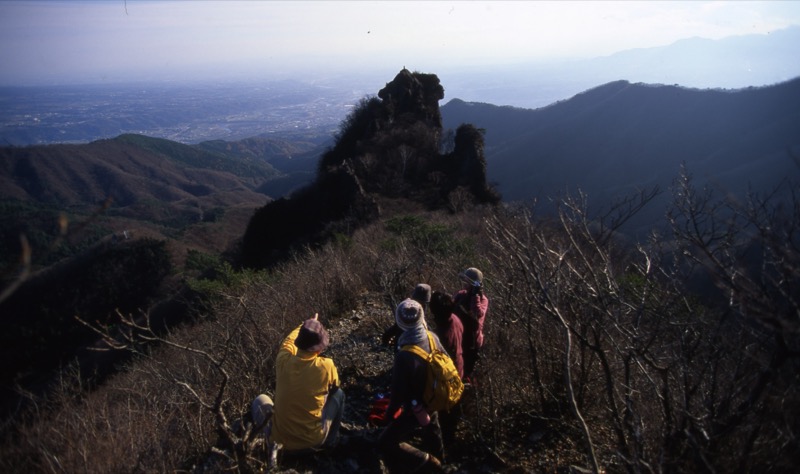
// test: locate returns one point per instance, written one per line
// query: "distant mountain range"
(732, 63)
(614, 139)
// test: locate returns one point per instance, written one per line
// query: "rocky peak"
(387, 149)
(416, 95)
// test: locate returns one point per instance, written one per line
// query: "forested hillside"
(128, 169)
(141, 184)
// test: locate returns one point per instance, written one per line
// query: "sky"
(57, 42)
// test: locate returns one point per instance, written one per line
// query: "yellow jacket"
(302, 382)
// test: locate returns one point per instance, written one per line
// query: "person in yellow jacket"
(308, 401)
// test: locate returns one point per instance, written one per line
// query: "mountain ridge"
(619, 137)
(733, 62)
(127, 168)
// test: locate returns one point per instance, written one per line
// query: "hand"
(389, 337)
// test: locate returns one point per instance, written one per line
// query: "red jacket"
(451, 333)
(471, 308)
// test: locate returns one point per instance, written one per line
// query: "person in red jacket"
(471, 306)
(450, 332)
(449, 328)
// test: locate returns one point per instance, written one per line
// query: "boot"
(432, 465)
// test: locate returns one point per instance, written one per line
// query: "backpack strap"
(415, 349)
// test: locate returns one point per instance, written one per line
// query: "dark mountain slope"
(616, 138)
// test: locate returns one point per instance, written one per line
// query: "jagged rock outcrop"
(414, 97)
(387, 148)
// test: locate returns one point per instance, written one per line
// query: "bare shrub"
(178, 400)
(750, 251)
(459, 199)
(655, 378)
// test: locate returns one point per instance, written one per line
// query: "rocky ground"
(527, 443)
(365, 370)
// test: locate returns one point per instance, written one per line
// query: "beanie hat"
(422, 293)
(472, 275)
(312, 336)
(409, 314)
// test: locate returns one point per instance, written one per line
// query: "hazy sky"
(93, 41)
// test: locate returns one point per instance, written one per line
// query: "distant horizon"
(730, 63)
(84, 42)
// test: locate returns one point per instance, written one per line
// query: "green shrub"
(424, 237)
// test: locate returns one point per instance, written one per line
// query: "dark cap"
(422, 293)
(312, 336)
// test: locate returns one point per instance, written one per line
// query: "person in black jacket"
(409, 375)
(422, 295)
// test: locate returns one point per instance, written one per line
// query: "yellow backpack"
(443, 387)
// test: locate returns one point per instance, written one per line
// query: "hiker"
(422, 295)
(308, 401)
(450, 332)
(409, 375)
(471, 305)
(448, 327)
